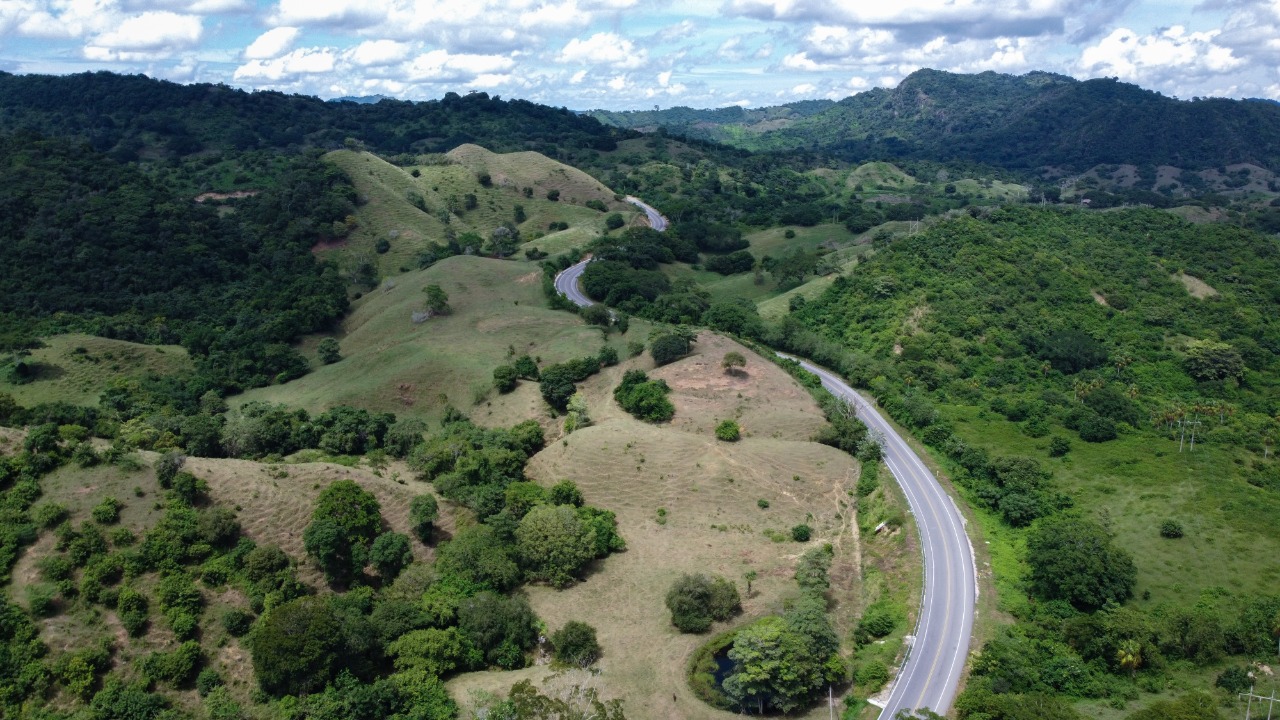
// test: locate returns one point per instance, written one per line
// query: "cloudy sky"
(635, 54)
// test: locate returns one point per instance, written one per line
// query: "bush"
(728, 431)
(207, 681)
(329, 351)
(762, 504)
(614, 221)
(423, 512)
(801, 533)
(575, 644)
(1096, 429)
(390, 554)
(695, 601)
(48, 515)
(297, 647)
(107, 512)
(644, 398)
(1059, 446)
(1234, 679)
(876, 622)
(505, 378)
(237, 622)
(871, 677)
(1171, 529)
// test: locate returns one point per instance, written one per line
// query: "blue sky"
(632, 54)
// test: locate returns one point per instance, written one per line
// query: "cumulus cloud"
(149, 36)
(304, 61)
(379, 52)
(1159, 56)
(347, 13)
(604, 48)
(441, 66)
(272, 43)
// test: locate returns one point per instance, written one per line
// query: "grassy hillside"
(388, 215)
(76, 368)
(391, 364)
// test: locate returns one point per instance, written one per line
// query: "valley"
(366, 435)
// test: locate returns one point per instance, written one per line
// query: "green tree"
(1075, 559)
(811, 570)
(389, 554)
(296, 647)
(772, 668)
(728, 431)
(554, 544)
(329, 351)
(733, 362)
(353, 508)
(476, 555)
(668, 348)
(1209, 360)
(437, 302)
(505, 378)
(1129, 656)
(439, 652)
(1192, 706)
(575, 644)
(501, 627)
(423, 513)
(695, 601)
(614, 221)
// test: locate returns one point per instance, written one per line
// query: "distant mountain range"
(1028, 121)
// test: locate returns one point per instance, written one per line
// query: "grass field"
(711, 522)
(392, 364)
(76, 368)
(386, 213)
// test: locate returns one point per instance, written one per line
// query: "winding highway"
(936, 655)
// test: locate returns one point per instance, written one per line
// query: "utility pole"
(1248, 709)
(1194, 424)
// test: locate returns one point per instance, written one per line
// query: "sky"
(639, 54)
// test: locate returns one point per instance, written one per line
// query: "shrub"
(644, 398)
(762, 504)
(1095, 429)
(505, 378)
(728, 431)
(801, 533)
(207, 681)
(297, 646)
(48, 515)
(328, 348)
(423, 512)
(107, 512)
(1059, 446)
(1171, 529)
(695, 601)
(236, 622)
(576, 644)
(871, 677)
(390, 554)
(876, 622)
(1234, 679)
(614, 221)
(607, 356)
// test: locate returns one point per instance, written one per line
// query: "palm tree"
(1129, 655)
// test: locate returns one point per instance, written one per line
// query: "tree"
(644, 398)
(436, 651)
(1129, 656)
(576, 644)
(346, 520)
(1209, 360)
(329, 351)
(476, 555)
(733, 363)
(437, 302)
(668, 348)
(695, 601)
(553, 544)
(614, 221)
(811, 570)
(423, 513)
(501, 627)
(772, 668)
(1074, 559)
(390, 554)
(296, 647)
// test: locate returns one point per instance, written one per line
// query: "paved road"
(656, 221)
(931, 673)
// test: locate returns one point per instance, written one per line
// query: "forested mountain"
(717, 125)
(133, 116)
(1028, 121)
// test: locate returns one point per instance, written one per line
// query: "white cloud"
(618, 83)
(147, 36)
(303, 61)
(604, 48)
(348, 13)
(804, 89)
(565, 14)
(664, 78)
(441, 66)
(1157, 58)
(379, 52)
(578, 77)
(272, 43)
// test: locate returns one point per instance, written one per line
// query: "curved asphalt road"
(935, 659)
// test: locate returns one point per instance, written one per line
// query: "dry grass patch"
(1198, 288)
(530, 169)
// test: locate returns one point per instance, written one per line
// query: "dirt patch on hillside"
(1194, 285)
(1099, 298)
(221, 197)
